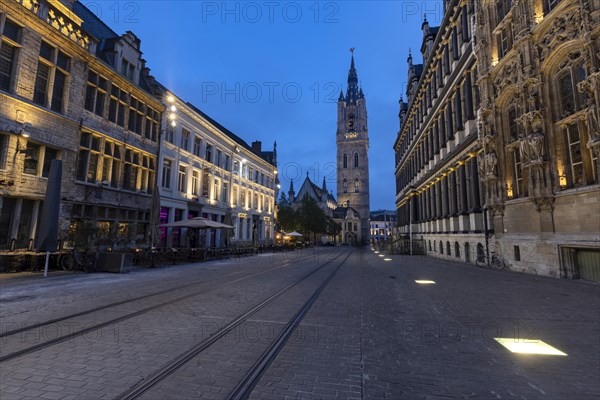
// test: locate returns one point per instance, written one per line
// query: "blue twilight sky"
(272, 70)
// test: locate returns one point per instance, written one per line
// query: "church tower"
(352, 141)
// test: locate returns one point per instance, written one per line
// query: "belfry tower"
(352, 139)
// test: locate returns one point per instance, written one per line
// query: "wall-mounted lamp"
(23, 132)
(563, 181)
(509, 190)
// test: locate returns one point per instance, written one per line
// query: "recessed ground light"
(425, 282)
(376, 252)
(529, 346)
(381, 255)
(387, 259)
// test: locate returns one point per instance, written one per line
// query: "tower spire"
(352, 92)
(324, 185)
(291, 192)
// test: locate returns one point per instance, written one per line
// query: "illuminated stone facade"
(80, 96)
(208, 171)
(528, 152)
(74, 90)
(539, 132)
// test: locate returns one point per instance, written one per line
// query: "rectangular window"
(152, 123)
(197, 146)
(575, 156)
(181, 179)
(208, 153)
(117, 105)
(227, 162)
(218, 158)
(60, 83)
(195, 182)
(166, 174)
(243, 197)
(205, 183)
(517, 252)
(504, 42)
(32, 159)
(185, 139)
(40, 90)
(53, 66)
(215, 192)
(224, 190)
(3, 150)
(8, 53)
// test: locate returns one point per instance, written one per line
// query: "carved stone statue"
(481, 164)
(523, 148)
(536, 119)
(535, 144)
(593, 123)
(491, 160)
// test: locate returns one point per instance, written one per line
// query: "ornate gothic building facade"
(529, 150)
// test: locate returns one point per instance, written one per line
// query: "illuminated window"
(182, 178)
(195, 182)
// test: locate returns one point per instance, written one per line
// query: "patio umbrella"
(294, 234)
(47, 238)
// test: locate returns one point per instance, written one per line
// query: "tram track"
(112, 321)
(251, 378)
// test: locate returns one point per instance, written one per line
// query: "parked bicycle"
(78, 260)
(496, 261)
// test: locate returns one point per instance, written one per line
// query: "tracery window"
(576, 163)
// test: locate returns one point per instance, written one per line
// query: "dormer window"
(127, 69)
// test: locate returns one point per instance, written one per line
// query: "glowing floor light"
(376, 252)
(529, 346)
(387, 259)
(425, 282)
(381, 255)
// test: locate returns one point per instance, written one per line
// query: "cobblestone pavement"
(373, 333)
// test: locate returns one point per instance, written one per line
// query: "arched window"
(441, 247)
(355, 160)
(345, 186)
(467, 252)
(429, 242)
(345, 161)
(576, 162)
(456, 250)
(480, 250)
(448, 250)
(356, 185)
